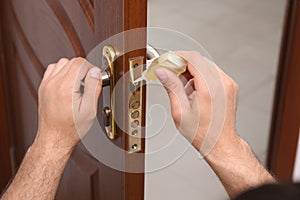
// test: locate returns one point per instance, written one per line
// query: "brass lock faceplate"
(135, 105)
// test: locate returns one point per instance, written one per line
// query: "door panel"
(37, 33)
(5, 167)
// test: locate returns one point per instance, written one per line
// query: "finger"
(189, 87)
(74, 73)
(81, 69)
(61, 63)
(174, 87)
(192, 57)
(92, 89)
(48, 71)
(71, 69)
(201, 68)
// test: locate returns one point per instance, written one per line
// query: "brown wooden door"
(39, 32)
(5, 166)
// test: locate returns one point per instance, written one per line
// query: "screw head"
(107, 111)
(135, 104)
(135, 114)
(135, 124)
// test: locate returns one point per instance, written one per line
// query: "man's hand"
(191, 102)
(65, 114)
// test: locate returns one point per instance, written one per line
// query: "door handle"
(135, 103)
(108, 79)
(105, 78)
(135, 91)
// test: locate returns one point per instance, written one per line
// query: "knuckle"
(196, 54)
(63, 59)
(172, 84)
(80, 59)
(77, 60)
(73, 59)
(49, 67)
(80, 62)
(231, 86)
(172, 87)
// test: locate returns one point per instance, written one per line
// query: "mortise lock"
(135, 92)
(135, 105)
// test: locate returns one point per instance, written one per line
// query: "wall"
(243, 38)
(296, 176)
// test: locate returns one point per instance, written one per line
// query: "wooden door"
(286, 113)
(39, 32)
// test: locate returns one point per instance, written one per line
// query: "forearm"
(237, 167)
(39, 174)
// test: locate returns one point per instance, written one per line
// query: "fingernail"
(95, 73)
(161, 74)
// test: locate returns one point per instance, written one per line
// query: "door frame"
(286, 109)
(105, 10)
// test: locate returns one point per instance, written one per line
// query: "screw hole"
(135, 124)
(135, 132)
(135, 146)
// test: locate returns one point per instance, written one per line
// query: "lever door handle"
(108, 79)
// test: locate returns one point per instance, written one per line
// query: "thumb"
(92, 88)
(174, 87)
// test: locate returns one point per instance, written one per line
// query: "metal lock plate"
(135, 105)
